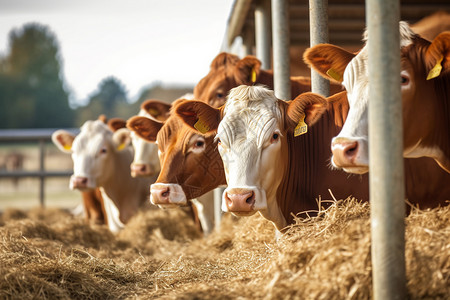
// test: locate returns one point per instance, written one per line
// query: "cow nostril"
(250, 199)
(166, 193)
(351, 149)
(84, 180)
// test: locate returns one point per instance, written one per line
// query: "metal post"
(42, 170)
(318, 28)
(263, 33)
(385, 148)
(217, 206)
(280, 31)
(248, 41)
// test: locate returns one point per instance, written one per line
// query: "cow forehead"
(250, 111)
(92, 136)
(356, 74)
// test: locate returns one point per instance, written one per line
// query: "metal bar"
(217, 206)
(23, 174)
(237, 19)
(42, 169)
(385, 148)
(248, 41)
(280, 31)
(318, 17)
(263, 33)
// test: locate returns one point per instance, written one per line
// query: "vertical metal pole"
(217, 206)
(281, 39)
(263, 33)
(248, 41)
(318, 28)
(41, 169)
(385, 148)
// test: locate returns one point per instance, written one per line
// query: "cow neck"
(121, 188)
(442, 88)
(308, 174)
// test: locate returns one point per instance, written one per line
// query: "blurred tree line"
(33, 93)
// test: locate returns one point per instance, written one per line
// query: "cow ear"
(223, 59)
(199, 115)
(121, 139)
(144, 127)
(102, 118)
(304, 111)
(247, 70)
(437, 57)
(159, 110)
(63, 140)
(338, 103)
(328, 60)
(116, 123)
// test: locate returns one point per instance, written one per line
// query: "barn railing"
(41, 137)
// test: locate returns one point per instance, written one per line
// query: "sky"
(140, 42)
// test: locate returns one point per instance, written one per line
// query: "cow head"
(91, 150)
(418, 57)
(227, 71)
(252, 133)
(190, 163)
(146, 162)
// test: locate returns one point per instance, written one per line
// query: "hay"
(49, 254)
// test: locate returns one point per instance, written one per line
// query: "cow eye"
(404, 80)
(219, 142)
(275, 137)
(220, 95)
(103, 150)
(199, 144)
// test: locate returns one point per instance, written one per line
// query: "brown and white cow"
(227, 71)
(267, 168)
(271, 171)
(102, 160)
(425, 89)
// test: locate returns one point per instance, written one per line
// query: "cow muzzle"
(243, 201)
(142, 170)
(80, 183)
(167, 195)
(350, 155)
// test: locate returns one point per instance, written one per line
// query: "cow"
(425, 90)
(190, 166)
(228, 71)
(102, 160)
(276, 154)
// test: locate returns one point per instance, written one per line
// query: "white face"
(350, 147)
(250, 146)
(91, 150)
(145, 161)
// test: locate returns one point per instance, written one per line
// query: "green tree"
(110, 100)
(32, 90)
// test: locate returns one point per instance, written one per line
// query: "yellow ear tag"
(436, 69)
(253, 75)
(200, 126)
(67, 147)
(301, 127)
(334, 74)
(121, 147)
(153, 112)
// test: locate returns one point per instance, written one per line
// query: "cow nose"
(160, 195)
(240, 202)
(79, 182)
(140, 170)
(344, 152)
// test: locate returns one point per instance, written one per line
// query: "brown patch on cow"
(144, 127)
(329, 60)
(158, 109)
(116, 123)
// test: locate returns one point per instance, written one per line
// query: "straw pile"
(48, 254)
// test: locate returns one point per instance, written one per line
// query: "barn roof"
(346, 19)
